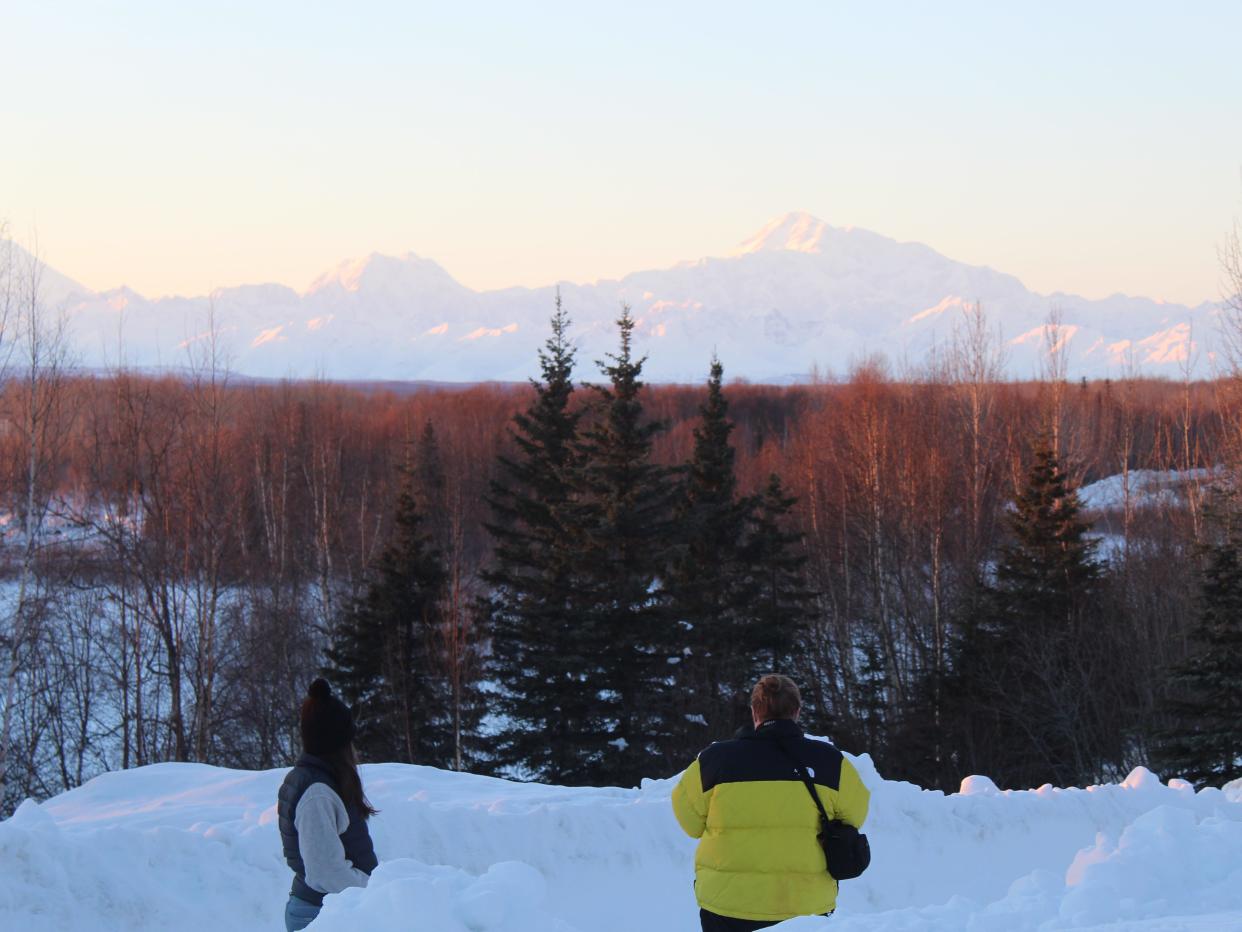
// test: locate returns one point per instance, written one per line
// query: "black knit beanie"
(327, 723)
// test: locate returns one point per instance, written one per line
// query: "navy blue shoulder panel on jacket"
(764, 755)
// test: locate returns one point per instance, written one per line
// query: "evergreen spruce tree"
(783, 603)
(778, 617)
(965, 730)
(541, 658)
(1024, 666)
(708, 583)
(1052, 561)
(622, 525)
(915, 748)
(1205, 742)
(384, 652)
(428, 485)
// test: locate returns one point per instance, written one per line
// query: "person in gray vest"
(322, 810)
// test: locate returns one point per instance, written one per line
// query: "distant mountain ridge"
(797, 297)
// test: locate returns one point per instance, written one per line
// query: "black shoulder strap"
(806, 779)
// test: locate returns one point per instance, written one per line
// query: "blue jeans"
(299, 913)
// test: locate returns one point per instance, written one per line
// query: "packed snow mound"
(192, 847)
(1233, 791)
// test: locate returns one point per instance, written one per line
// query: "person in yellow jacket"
(759, 861)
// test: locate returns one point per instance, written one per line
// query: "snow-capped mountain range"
(797, 297)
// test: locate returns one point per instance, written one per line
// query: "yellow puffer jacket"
(758, 856)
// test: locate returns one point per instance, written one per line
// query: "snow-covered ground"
(1147, 488)
(189, 847)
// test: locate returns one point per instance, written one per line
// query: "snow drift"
(193, 847)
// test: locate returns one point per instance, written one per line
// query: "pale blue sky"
(1089, 147)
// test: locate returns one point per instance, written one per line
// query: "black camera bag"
(846, 850)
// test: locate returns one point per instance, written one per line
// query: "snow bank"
(1233, 791)
(1148, 488)
(193, 847)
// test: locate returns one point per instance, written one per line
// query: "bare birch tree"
(35, 347)
(977, 366)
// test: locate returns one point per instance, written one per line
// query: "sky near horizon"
(1084, 147)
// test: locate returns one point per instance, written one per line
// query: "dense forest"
(577, 580)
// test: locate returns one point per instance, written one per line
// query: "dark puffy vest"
(356, 840)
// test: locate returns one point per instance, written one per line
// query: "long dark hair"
(344, 764)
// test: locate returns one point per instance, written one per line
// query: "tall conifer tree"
(783, 603)
(708, 581)
(541, 656)
(1024, 667)
(622, 525)
(429, 487)
(1205, 742)
(384, 655)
